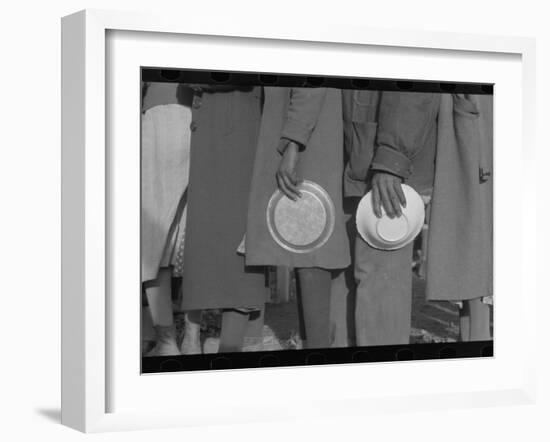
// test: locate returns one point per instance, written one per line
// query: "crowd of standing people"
(212, 158)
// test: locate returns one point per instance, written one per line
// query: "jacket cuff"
(283, 144)
(296, 131)
(390, 160)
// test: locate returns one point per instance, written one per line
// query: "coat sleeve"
(303, 112)
(405, 120)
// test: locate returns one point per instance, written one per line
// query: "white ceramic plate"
(386, 233)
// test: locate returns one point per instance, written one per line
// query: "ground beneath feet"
(431, 322)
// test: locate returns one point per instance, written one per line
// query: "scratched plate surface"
(304, 225)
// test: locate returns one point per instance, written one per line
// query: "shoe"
(165, 342)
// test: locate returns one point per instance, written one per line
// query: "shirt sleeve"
(405, 119)
(303, 112)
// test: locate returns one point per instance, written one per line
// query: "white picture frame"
(85, 235)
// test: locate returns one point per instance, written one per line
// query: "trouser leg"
(384, 295)
(147, 330)
(342, 306)
(464, 322)
(253, 336)
(315, 286)
(191, 343)
(233, 329)
(255, 326)
(475, 320)
(479, 320)
(159, 297)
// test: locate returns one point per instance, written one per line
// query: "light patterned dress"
(164, 177)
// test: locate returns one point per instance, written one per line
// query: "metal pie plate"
(304, 225)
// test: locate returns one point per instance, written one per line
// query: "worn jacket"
(441, 145)
(312, 118)
(393, 132)
(407, 136)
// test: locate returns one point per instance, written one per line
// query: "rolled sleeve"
(297, 131)
(387, 159)
(405, 122)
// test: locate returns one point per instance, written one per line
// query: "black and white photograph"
(304, 217)
(242, 221)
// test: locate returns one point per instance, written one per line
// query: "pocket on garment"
(467, 134)
(365, 106)
(361, 151)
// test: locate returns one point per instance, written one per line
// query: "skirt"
(223, 148)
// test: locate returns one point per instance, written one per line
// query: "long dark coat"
(460, 244)
(223, 145)
(313, 118)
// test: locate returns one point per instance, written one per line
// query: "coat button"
(193, 126)
(197, 102)
(484, 174)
